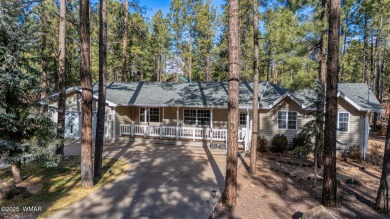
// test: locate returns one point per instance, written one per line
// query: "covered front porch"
(181, 123)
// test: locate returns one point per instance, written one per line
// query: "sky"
(154, 5)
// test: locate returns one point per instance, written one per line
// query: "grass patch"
(62, 184)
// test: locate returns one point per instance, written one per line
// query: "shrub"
(355, 152)
(299, 140)
(262, 144)
(302, 151)
(375, 154)
(279, 144)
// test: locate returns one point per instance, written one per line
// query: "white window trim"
(296, 121)
(338, 122)
(148, 118)
(196, 118)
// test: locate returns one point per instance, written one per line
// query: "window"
(153, 114)
(242, 118)
(287, 120)
(196, 117)
(343, 122)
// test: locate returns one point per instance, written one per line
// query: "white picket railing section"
(192, 133)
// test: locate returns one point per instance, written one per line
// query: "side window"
(343, 122)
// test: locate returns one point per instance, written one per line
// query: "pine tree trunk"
(190, 58)
(230, 192)
(329, 193)
(15, 168)
(255, 107)
(177, 66)
(158, 76)
(43, 53)
(61, 78)
(124, 42)
(321, 94)
(371, 84)
(102, 88)
(378, 68)
(208, 78)
(382, 199)
(86, 85)
(364, 70)
(344, 48)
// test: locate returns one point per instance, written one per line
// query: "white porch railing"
(193, 133)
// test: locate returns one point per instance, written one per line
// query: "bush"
(302, 151)
(355, 152)
(262, 144)
(375, 154)
(299, 140)
(279, 144)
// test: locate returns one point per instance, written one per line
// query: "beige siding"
(355, 134)
(169, 117)
(269, 124)
(220, 118)
(123, 115)
(269, 120)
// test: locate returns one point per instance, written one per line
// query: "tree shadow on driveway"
(164, 181)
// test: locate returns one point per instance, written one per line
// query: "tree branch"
(17, 3)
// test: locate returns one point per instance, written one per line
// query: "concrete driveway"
(165, 181)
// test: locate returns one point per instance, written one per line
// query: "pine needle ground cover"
(61, 184)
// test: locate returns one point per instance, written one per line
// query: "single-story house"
(198, 111)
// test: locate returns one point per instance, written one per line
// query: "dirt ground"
(283, 188)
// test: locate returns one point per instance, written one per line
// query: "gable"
(345, 106)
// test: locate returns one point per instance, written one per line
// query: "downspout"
(113, 124)
(366, 135)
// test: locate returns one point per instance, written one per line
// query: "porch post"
(247, 130)
(162, 127)
(177, 123)
(113, 124)
(211, 125)
(145, 111)
(163, 116)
